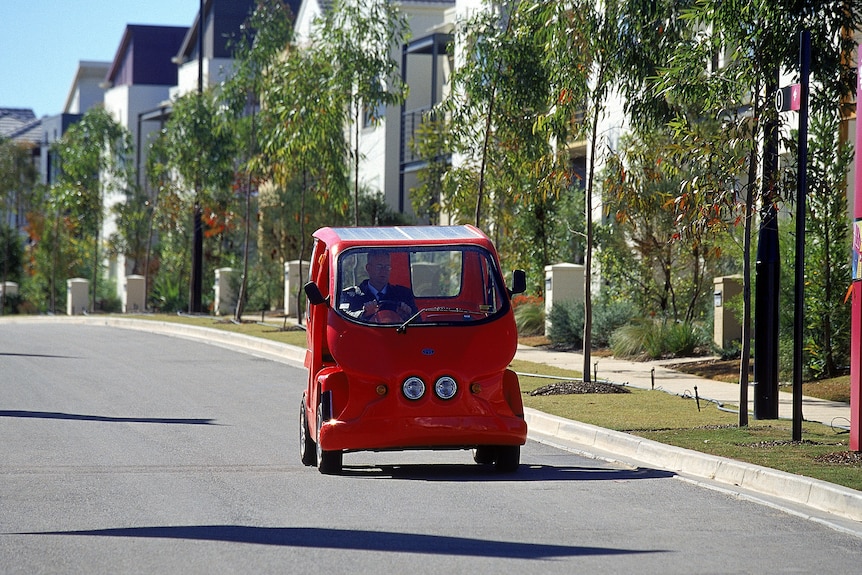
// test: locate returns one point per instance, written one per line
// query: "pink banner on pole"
(856, 308)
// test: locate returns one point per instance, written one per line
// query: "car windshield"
(420, 285)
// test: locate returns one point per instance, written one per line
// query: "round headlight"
(413, 388)
(445, 387)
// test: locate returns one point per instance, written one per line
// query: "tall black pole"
(768, 275)
(198, 233)
(801, 191)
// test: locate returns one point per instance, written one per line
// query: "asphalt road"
(129, 452)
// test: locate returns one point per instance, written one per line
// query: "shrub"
(630, 340)
(530, 318)
(567, 324)
(608, 316)
(107, 299)
(653, 339)
(168, 295)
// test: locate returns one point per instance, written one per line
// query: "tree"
(303, 151)
(582, 41)
(669, 271)
(17, 179)
(264, 38)
(499, 89)
(95, 158)
(729, 70)
(357, 37)
(827, 243)
(200, 148)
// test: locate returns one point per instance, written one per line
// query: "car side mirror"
(519, 282)
(313, 294)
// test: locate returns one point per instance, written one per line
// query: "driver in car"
(375, 294)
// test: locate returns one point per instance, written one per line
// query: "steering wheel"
(387, 312)
(387, 305)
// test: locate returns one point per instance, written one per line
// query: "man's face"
(378, 269)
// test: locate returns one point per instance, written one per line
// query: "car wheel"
(328, 462)
(508, 458)
(307, 447)
(484, 454)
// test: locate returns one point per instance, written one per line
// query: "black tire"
(508, 458)
(484, 454)
(307, 447)
(328, 462)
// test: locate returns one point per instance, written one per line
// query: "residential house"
(86, 91)
(139, 80)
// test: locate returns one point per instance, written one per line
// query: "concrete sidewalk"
(646, 374)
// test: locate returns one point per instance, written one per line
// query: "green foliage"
(303, 152)
(96, 160)
(133, 216)
(107, 300)
(566, 324)
(530, 318)
(200, 147)
(18, 191)
(672, 272)
(650, 338)
(265, 285)
(11, 254)
(828, 241)
(169, 293)
(357, 38)
(609, 314)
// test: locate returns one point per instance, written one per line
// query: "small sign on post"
(788, 98)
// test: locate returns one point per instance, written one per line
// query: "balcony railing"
(411, 132)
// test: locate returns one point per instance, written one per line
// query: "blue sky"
(42, 41)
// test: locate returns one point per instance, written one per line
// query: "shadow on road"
(343, 539)
(7, 354)
(425, 472)
(103, 418)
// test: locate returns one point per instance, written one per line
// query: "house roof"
(16, 123)
(30, 132)
(222, 19)
(87, 70)
(144, 56)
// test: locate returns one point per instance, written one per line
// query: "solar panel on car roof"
(405, 233)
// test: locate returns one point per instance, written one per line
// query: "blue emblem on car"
(427, 351)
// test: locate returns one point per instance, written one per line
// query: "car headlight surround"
(413, 388)
(445, 387)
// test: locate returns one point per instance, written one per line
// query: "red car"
(410, 335)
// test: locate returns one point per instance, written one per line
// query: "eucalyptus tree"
(200, 147)
(264, 37)
(668, 276)
(18, 178)
(358, 38)
(499, 89)
(302, 150)
(95, 159)
(582, 41)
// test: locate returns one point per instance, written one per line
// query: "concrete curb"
(820, 495)
(813, 493)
